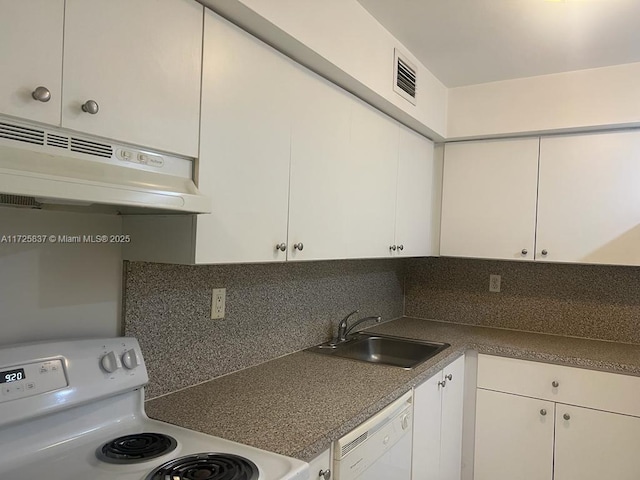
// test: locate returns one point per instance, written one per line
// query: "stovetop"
(83, 421)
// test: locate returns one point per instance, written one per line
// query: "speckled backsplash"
(271, 310)
(592, 301)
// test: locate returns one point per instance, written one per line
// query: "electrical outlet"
(218, 300)
(494, 283)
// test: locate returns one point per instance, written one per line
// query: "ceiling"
(465, 42)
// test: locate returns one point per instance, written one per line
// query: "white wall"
(58, 290)
(598, 98)
(343, 33)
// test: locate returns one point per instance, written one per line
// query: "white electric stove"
(75, 410)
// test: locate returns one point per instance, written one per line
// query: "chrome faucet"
(343, 329)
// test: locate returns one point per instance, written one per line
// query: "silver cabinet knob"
(524, 251)
(298, 246)
(325, 474)
(442, 384)
(566, 416)
(281, 246)
(41, 94)
(392, 248)
(543, 412)
(555, 384)
(544, 252)
(90, 106)
(400, 247)
(448, 377)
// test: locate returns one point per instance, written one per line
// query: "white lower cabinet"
(514, 437)
(320, 467)
(437, 425)
(592, 445)
(520, 436)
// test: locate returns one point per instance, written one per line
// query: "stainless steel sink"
(366, 347)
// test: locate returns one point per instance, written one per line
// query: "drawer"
(575, 386)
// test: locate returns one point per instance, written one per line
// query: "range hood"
(52, 166)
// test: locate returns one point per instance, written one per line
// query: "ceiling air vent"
(404, 77)
(21, 134)
(91, 148)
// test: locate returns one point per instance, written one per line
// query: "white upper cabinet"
(319, 170)
(139, 62)
(371, 170)
(31, 33)
(244, 147)
(297, 168)
(417, 201)
(589, 199)
(489, 199)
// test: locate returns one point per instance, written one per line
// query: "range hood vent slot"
(21, 134)
(58, 141)
(18, 201)
(91, 148)
(405, 77)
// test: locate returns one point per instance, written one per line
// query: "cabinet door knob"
(325, 474)
(566, 416)
(449, 377)
(281, 246)
(90, 106)
(555, 384)
(401, 247)
(524, 251)
(544, 252)
(298, 246)
(543, 412)
(442, 384)
(42, 94)
(392, 248)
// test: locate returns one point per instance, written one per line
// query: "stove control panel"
(20, 381)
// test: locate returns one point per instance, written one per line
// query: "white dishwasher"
(380, 448)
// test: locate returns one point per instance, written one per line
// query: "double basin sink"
(382, 349)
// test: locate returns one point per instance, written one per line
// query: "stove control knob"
(109, 362)
(130, 359)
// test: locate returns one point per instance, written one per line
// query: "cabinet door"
(244, 147)
(489, 199)
(318, 184)
(513, 438)
(589, 199)
(372, 181)
(320, 467)
(427, 408)
(418, 179)
(141, 62)
(31, 56)
(592, 445)
(451, 430)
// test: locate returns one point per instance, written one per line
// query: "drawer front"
(557, 383)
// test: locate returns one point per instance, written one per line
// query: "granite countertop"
(298, 404)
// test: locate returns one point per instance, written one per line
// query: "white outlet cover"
(218, 302)
(494, 283)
